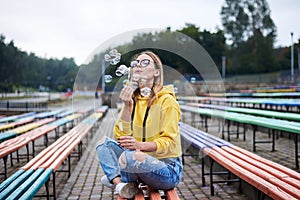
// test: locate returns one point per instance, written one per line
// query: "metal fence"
(23, 106)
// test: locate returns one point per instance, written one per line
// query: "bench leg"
(296, 150)
(273, 139)
(238, 130)
(47, 189)
(46, 140)
(212, 173)
(228, 131)
(254, 138)
(244, 131)
(212, 189)
(258, 195)
(54, 186)
(5, 166)
(203, 172)
(33, 149)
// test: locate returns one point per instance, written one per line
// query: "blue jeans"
(134, 166)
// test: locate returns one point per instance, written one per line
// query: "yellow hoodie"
(161, 125)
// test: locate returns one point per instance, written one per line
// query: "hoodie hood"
(168, 89)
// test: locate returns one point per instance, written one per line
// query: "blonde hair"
(158, 81)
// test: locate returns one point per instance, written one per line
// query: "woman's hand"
(129, 142)
(126, 96)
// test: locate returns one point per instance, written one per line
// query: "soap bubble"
(193, 80)
(175, 90)
(113, 52)
(143, 80)
(122, 70)
(135, 77)
(113, 57)
(133, 84)
(125, 82)
(145, 91)
(107, 58)
(107, 78)
(114, 61)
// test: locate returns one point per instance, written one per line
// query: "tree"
(251, 33)
(17, 68)
(213, 43)
(241, 19)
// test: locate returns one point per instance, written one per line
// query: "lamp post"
(49, 79)
(298, 60)
(103, 75)
(292, 58)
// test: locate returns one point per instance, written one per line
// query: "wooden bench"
(290, 105)
(252, 111)
(11, 125)
(27, 181)
(254, 122)
(8, 119)
(155, 195)
(266, 177)
(12, 145)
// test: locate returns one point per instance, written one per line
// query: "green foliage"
(251, 31)
(17, 68)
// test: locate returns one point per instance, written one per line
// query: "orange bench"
(267, 178)
(155, 195)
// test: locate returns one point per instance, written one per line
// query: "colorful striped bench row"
(252, 121)
(26, 182)
(266, 177)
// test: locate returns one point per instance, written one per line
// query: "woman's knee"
(131, 156)
(104, 142)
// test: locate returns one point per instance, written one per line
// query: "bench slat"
(10, 179)
(29, 194)
(258, 182)
(251, 166)
(24, 186)
(15, 184)
(172, 194)
(154, 195)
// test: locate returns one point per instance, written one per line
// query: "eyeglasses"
(143, 63)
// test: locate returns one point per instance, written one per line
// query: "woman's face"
(145, 69)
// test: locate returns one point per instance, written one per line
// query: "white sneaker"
(105, 181)
(127, 190)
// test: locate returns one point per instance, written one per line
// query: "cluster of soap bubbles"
(114, 57)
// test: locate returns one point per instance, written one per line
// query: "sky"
(73, 28)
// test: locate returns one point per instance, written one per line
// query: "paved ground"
(84, 182)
